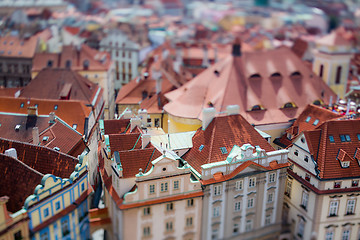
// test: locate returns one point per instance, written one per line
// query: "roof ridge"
(212, 139)
(23, 164)
(322, 148)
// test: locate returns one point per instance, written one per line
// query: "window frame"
(333, 208)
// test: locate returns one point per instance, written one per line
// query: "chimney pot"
(52, 117)
(134, 122)
(32, 110)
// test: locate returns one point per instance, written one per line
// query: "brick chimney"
(32, 110)
(208, 115)
(142, 113)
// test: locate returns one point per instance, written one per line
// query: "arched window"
(317, 102)
(68, 64)
(296, 74)
(255, 76)
(256, 108)
(338, 75)
(288, 105)
(277, 74)
(321, 72)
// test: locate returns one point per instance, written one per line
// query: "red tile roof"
(154, 104)
(97, 61)
(14, 47)
(122, 142)
(116, 126)
(18, 181)
(40, 87)
(326, 153)
(72, 30)
(224, 131)
(41, 159)
(229, 82)
(72, 112)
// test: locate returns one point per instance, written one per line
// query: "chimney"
(35, 135)
(232, 110)
(11, 152)
(32, 110)
(142, 113)
(205, 62)
(158, 85)
(236, 48)
(52, 117)
(134, 122)
(208, 115)
(145, 138)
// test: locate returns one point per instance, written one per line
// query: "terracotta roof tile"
(224, 131)
(122, 142)
(18, 181)
(116, 126)
(229, 82)
(14, 47)
(41, 159)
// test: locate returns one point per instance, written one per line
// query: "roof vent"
(11, 152)
(56, 148)
(45, 139)
(17, 127)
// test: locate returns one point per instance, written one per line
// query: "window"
(190, 202)
(306, 159)
(57, 205)
(331, 139)
(55, 107)
(301, 228)
(316, 122)
(223, 150)
(333, 208)
(235, 228)
(272, 177)
(338, 75)
(288, 105)
(176, 185)
(164, 187)
(329, 235)
(157, 122)
(249, 225)
(17, 236)
(239, 185)
(304, 200)
(151, 188)
(337, 184)
(22, 105)
(307, 177)
(217, 190)
(296, 153)
(358, 136)
(270, 197)
(252, 182)
(146, 231)
(267, 219)
(355, 183)
(346, 234)
(308, 119)
(169, 226)
(250, 203)
(288, 187)
(350, 207)
(201, 147)
(321, 72)
(216, 211)
(44, 236)
(214, 234)
(68, 64)
(189, 221)
(82, 187)
(65, 227)
(345, 138)
(237, 206)
(46, 212)
(147, 211)
(169, 207)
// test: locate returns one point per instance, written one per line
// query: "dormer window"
(289, 105)
(276, 75)
(331, 139)
(345, 164)
(86, 64)
(223, 150)
(355, 183)
(256, 108)
(337, 184)
(201, 148)
(296, 75)
(46, 138)
(255, 76)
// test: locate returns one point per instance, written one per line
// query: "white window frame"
(305, 199)
(350, 206)
(151, 188)
(268, 219)
(217, 190)
(252, 182)
(329, 235)
(301, 228)
(239, 185)
(250, 203)
(270, 197)
(288, 187)
(248, 225)
(237, 207)
(176, 184)
(146, 231)
(216, 211)
(164, 187)
(346, 234)
(333, 208)
(272, 177)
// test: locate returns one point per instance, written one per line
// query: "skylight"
(331, 138)
(316, 122)
(223, 150)
(358, 135)
(308, 119)
(201, 148)
(55, 107)
(22, 105)
(45, 138)
(74, 126)
(345, 138)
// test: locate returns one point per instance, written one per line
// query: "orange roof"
(72, 112)
(235, 80)
(224, 131)
(72, 30)
(11, 46)
(337, 37)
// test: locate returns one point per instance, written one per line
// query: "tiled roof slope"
(42, 159)
(121, 142)
(11, 46)
(154, 104)
(132, 161)
(59, 83)
(325, 153)
(315, 113)
(229, 82)
(224, 131)
(18, 181)
(72, 112)
(98, 61)
(116, 126)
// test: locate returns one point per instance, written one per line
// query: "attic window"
(223, 150)
(277, 74)
(345, 138)
(17, 127)
(355, 183)
(201, 148)
(46, 138)
(49, 63)
(22, 105)
(255, 76)
(296, 74)
(345, 164)
(55, 107)
(86, 64)
(337, 184)
(317, 102)
(289, 105)
(308, 119)
(256, 108)
(331, 138)
(316, 122)
(358, 136)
